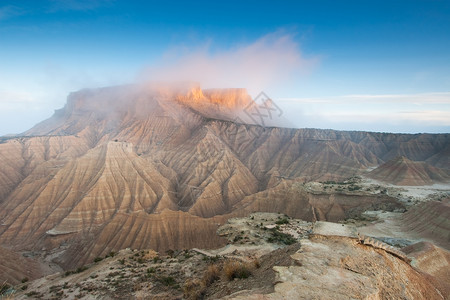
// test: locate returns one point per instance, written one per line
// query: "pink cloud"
(269, 62)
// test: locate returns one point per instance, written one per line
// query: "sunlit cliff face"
(233, 104)
(140, 100)
(231, 99)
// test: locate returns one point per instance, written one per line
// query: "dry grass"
(193, 289)
(150, 254)
(212, 274)
(236, 269)
(256, 263)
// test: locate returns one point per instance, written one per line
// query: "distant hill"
(402, 171)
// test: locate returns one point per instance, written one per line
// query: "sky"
(348, 65)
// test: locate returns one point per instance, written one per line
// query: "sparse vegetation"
(354, 188)
(281, 237)
(81, 269)
(193, 289)
(282, 221)
(166, 280)
(32, 294)
(212, 274)
(97, 259)
(4, 287)
(170, 253)
(78, 270)
(236, 269)
(211, 259)
(257, 263)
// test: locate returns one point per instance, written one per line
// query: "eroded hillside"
(155, 168)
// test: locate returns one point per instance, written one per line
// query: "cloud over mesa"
(267, 63)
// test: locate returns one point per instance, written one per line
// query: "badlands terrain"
(141, 192)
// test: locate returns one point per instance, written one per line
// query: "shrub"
(193, 289)
(97, 259)
(167, 280)
(282, 221)
(281, 237)
(211, 259)
(32, 293)
(257, 263)
(212, 274)
(81, 269)
(354, 188)
(236, 269)
(4, 287)
(170, 253)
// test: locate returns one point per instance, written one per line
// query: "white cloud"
(268, 62)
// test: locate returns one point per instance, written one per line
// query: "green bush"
(282, 221)
(281, 237)
(81, 269)
(167, 280)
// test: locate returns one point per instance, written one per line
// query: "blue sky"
(352, 65)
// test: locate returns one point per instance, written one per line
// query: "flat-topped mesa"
(211, 102)
(237, 98)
